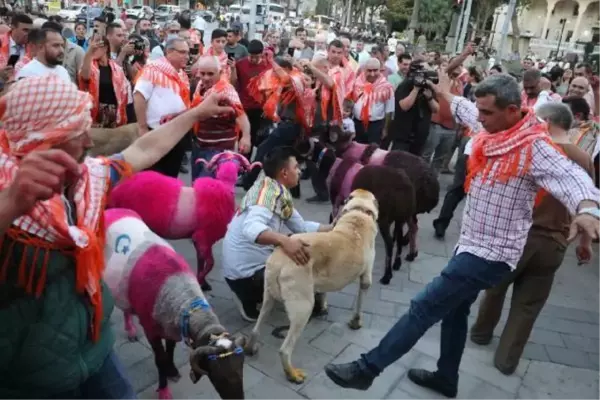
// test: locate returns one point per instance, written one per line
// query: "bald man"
(217, 134)
(580, 87)
(373, 98)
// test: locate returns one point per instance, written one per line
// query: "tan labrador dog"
(337, 258)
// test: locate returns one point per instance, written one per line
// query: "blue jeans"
(198, 169)
(448, 297)
(109, 382)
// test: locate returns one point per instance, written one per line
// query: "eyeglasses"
(182, 52)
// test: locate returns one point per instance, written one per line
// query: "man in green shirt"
(396, 79)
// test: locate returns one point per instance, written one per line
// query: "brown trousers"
(532, 281)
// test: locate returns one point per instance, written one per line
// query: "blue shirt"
(242, 256)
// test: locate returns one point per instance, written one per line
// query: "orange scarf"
(221, 87)
(333, 96)
(379, 91)
(39, 113)
(119, 81)
(162, 74)
(4, 49)
(272, 89)
(497, 156)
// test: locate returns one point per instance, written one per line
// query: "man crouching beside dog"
(265, 215)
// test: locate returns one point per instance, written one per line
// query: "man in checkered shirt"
(512, 158)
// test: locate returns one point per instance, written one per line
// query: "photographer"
(415, 103)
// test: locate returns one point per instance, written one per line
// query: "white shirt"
(377, 111)
(156, 53)
(468, 147)
(161, 102)
(199, 24)
(392, 63)
(363, 57)
(16, 49)
(36, 68)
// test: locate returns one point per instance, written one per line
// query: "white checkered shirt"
(497, 215)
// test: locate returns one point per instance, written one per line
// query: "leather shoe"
(349, 376)
(432, 381)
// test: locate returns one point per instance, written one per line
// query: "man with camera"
(415, 103)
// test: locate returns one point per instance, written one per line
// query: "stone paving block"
(469, 386)
(329, 343)
(423, 270)
(269, 388)
(342, 315)
(220, 290)
(232, 321)
(570, 313)
(534, 351)
(203, 390)
(341, 300)
(321, 387)
(143, 374)
(545, 380)
(401, 309)
(594, 361)
(132, 352)
(306, 358)
(581, 343)
(564, 326)
(429, 245)
(379, 307)
(396, 296)
(570, 357)
(372, 293)
(544, 336)
(382, 324)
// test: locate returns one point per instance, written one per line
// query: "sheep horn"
(253, 165)
(242, 160)
(215, 160)
(201, 161)
(240, 341)
(196, 372)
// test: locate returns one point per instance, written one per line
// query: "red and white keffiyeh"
(36, 114)
(379, 91)
(162, 74)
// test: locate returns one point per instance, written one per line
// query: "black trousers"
(410, 145)
(456, 190)
(370, 135)
(170, 164)
(256, 121)
(249, 290)
(319, 183)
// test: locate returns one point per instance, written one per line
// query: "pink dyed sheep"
(148, 278)
(175, 211)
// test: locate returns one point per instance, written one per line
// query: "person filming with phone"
(13, 46)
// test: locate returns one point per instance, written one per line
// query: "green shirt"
(395, 79)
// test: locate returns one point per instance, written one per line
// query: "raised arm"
(151, 147)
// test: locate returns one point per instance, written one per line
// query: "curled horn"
(217, 157)
(201, 161)
(243, 160)
(196, 372)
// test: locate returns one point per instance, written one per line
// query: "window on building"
(569, 36)
(576, 10)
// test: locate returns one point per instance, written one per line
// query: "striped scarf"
(267, 192)
(379, 91)
(162, 74)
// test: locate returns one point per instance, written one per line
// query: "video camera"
(418, 75)
(138, 43)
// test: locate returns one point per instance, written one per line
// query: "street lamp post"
(563, 22)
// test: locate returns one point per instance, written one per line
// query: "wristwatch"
(593, 211)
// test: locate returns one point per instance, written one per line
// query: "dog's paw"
(295, 375)
(355, 323)
(397, 263)
(411, 256)
(385, 280)
(365, 285)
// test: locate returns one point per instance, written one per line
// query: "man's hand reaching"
(296, 249)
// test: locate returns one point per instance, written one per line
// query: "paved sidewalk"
(560, 360)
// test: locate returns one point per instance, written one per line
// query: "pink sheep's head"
(227, 156)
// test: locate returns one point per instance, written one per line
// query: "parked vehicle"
(140, 12)
(70, 13)
(208, 16)
(166, 12)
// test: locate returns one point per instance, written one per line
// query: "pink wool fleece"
(147, 278)
(152, 195)
(215, 209)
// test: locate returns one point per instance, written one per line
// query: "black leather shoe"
(349, 376)
(440, 230)
(430, 380)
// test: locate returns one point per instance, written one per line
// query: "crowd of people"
(525, 199)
